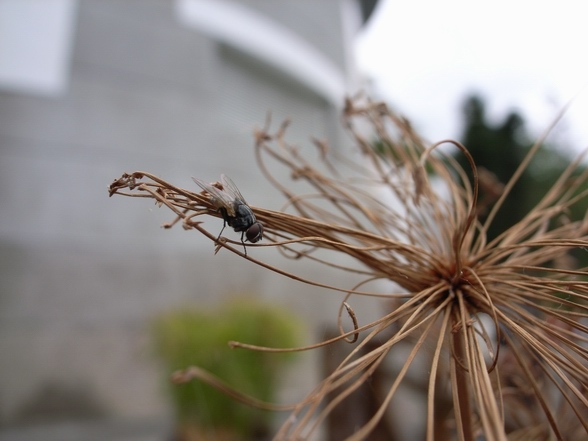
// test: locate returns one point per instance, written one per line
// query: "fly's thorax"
(243, 219)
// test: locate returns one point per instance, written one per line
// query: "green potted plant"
(198, 337)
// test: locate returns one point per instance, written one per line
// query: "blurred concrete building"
(90, 89)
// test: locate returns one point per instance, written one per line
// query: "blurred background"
(90, 89)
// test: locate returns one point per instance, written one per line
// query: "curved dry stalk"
(505, 321)
(195, 373)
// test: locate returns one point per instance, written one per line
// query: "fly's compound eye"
(254, 233)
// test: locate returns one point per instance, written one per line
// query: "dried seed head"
(503, 321)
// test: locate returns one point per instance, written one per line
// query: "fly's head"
(255, 232)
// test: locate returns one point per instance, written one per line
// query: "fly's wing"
(218, 198)
(232, 189)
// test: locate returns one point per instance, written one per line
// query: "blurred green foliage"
(199, 337)
(500, 147)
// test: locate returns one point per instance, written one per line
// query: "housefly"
(234, 210)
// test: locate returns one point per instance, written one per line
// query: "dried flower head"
(496, 331)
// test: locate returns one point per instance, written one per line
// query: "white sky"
(424, 56)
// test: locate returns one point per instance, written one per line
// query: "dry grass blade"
(502, 325)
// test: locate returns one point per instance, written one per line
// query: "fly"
(234, 210)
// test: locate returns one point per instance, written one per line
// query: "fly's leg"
(221, 231)
(243, 242)
(226, 220)
(224, 215)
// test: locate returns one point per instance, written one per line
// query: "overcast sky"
(424, 56)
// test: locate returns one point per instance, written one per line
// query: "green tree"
(500, 148)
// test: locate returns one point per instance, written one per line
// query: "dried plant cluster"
(496, 329)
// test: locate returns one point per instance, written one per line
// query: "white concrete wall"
(81, 274)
